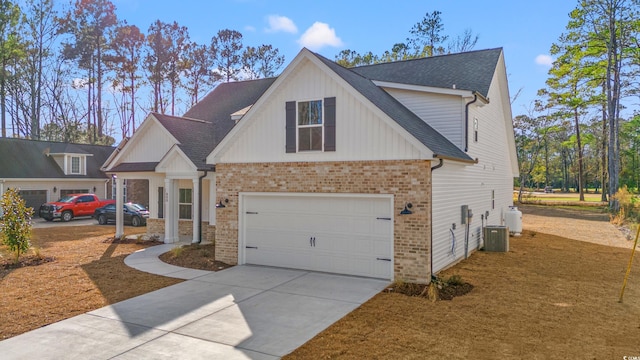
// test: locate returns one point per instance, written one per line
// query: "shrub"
(15, 225)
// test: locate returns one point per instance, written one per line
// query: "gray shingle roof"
(471, 71)
(201, 128)
(194, 136)
(21, 158)
(422, 131)
(135, 167)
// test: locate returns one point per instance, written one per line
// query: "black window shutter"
(330, 124)
(290, 126)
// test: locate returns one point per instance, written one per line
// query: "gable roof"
(201, 128)
(24, 159)
(407, 119)
(471, 71)
(224, 100)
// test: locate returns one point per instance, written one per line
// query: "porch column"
(169, 212)
(119, 207)
(195, 210)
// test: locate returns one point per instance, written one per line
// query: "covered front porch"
(181, 205)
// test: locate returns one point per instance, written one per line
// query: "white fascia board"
(175, 149)
(428, 89)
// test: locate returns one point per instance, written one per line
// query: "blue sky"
(525, 29)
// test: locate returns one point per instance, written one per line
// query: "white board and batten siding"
(361, 132)
(445, 113)
(336, 233)
(455, 185)
(151, 143)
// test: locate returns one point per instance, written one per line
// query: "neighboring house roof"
(471, 71)
(422, 131)
(24, 159)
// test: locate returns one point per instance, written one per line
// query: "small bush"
(177, 251)
(15, 227)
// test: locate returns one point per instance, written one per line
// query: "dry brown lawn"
(550, 297)
(87, 273)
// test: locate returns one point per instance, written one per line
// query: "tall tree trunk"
(603, 155)
(3, 103)
(99, 88)
(579, 141)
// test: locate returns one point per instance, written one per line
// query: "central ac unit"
(496, 238)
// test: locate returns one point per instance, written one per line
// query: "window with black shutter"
(311, 125)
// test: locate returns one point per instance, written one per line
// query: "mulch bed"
(194, 256)
(25, 260)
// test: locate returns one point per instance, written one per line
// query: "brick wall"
(185, 228)
(409, 181)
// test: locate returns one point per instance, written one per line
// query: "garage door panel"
(349, 236)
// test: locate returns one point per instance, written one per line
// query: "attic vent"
(236, 116)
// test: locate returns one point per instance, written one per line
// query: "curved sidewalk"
(147, 260)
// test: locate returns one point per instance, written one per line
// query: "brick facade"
(185, 229)
(407, 180)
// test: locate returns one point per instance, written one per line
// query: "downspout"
(466, 121)
(105, 188)
(431, 251)
(200, 205)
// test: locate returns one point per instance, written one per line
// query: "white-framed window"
(310, 125)
(185, 204)
(475, 129)
(75, 164)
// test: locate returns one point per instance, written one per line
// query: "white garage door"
(339, 234)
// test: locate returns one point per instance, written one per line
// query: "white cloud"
(545, 60)
(318, 36)
(249, 28)
(281, 23)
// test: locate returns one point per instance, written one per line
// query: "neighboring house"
(45, 171)
(361, 171)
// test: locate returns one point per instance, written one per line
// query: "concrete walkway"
(244, 312)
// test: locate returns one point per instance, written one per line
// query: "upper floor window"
(75, 165)
(311, 125)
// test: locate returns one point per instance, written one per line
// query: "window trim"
(291, 143)
(321, 125)
(71, 170)
(181, 204)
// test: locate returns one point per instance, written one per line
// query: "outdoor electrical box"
(465, 214)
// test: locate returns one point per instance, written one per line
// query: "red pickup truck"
(71, 206)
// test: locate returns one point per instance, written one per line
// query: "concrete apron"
(244, 312)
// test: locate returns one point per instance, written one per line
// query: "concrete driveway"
(81, 221)
(244, 312)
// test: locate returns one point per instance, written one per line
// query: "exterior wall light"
(406, 210)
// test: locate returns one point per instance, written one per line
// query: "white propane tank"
(513, 220)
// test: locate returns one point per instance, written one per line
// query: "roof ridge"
(181, 117)
(426, 57)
